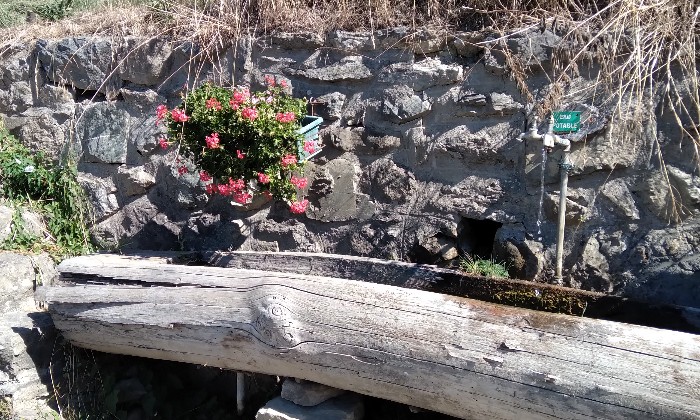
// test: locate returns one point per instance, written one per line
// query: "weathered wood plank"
(462, 357)
(520, 293)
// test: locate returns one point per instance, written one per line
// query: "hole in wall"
(475, 237)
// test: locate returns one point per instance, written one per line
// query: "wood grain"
(462, 357)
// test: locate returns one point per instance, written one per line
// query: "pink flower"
(212, 140)
(163, 143)
(240, 154)
(249, 113)
(179, 115)
(298, 182)
(270, 80)
(213, 103)
(288, 160)
(161, 112)
(263, 178)
(224, 189)
(242, 197)
(204, 176)
(286, 117)
(283, 83)
(237, 185)
(298, 207)
(182, 170)
(211, 189)
(309, 147)
(238, 98)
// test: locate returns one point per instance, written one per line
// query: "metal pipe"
(549, 140)
(240, 392)
(565, 166)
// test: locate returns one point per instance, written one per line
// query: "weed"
(5, 408)
(483, 267)
(30, 180)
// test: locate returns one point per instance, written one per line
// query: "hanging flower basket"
(243, 143)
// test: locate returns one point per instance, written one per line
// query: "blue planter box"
(309, 128)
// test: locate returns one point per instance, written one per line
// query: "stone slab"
(308, 394)
(344, 407)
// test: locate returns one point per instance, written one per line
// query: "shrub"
(28, 178)
(242, 143)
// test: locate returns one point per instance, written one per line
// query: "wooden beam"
(462, 357)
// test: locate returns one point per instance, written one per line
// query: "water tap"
(549, 139)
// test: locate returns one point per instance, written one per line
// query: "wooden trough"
(467, 358)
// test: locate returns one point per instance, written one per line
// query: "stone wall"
(421, 158)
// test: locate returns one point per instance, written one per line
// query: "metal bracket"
(566, 166)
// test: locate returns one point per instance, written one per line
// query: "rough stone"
(669, 261)
(26, 343)
(593, 269)
(504, 103)
(458, 146)
(672, 196)
(426, 42)
(101, 195)
(16, 98)
(578, 202)
(354, 110)
(145, 60)
(134, 181)
(333, 195)
(400, 105)
(347, 140)
(43, 133)
(422, 75)
(620, 199)
(383, 144)
(83, 62)
(439, 247)
(290, 235)
(19, 274)
(466, 44)
(474, 197)
(348, 69)
(344, 407)
(534, 47)
(103, 130)
(431, 139)
(523, 257)
(331, 106)
(294, 41)
(26, 335)
(59, 99)
(33, 223)
(386, 181)
(6, 214)
(308, 394)
(213, 231)
(352, 41)
(123, 227)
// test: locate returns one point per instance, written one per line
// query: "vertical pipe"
(564, 180)
(240, 392)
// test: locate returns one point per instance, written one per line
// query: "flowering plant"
(243, 143)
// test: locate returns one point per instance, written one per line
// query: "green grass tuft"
(483, 267)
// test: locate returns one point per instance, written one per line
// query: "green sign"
(567, 121)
